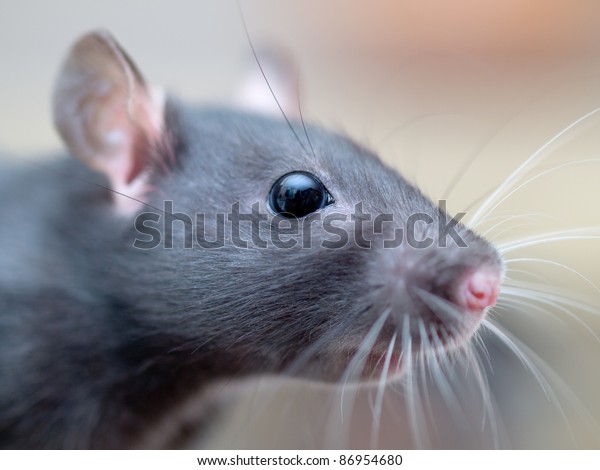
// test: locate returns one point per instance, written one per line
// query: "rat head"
(261, 246)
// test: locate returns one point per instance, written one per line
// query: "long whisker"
(521, 169)
(302, 118)
(553, 263)
(478, 340)
(528, 295)
(413, 404)
(265, 76)
(587, 233)
(503, 336)
(380, 391)
(424, 351)
(505, 220)
(484, 388)
(508, 275)
(448, 395)
(516, 304)
(542, 366)
(484, 143)
(515, 347)
(535, 177)
(354, 368)
(563, 297)
(365, 347)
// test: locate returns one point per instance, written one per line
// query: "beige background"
(428, 85)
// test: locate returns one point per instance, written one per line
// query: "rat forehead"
(247, 133)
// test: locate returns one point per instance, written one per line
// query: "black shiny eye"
(298, 194)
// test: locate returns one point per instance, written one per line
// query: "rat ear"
(106, 114)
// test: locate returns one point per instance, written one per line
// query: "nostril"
(478, 290)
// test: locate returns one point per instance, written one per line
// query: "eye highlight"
(298, 194)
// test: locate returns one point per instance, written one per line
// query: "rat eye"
(298, 194)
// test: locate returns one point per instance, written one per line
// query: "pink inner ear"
(128, 126)
(107, 115)
(130, 139)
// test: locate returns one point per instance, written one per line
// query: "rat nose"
(478, 290)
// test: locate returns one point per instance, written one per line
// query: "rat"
(158, 258)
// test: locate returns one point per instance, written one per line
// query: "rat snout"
(478, 289)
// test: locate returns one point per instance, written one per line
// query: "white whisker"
(522, 168)
(413, 403)
(589, 233)
(506, 219)
(508, 275)
(448, 395)
(380, 392)
(526, 294)
(511, 342)
(554, 263)
(424, 351)
(565, 390)
(439, 305)
(488, 399)
(504, 337)
(353, 369)
(539, 175)
(584, 303)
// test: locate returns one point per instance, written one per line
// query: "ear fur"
(106, 113)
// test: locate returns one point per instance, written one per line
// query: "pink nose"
(478, 290)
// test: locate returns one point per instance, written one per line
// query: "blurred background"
(455, 95)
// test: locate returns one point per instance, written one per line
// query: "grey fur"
(99, 340)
